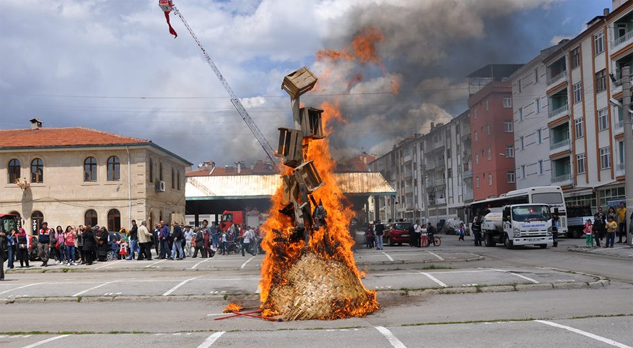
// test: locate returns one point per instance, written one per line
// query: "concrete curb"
(254, 298)
(585, 250)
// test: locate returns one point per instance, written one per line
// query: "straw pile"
(232, 308)
(322, 289)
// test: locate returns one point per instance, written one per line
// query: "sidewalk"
(619, 250)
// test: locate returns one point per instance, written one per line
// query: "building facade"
(586, 131)
(73, 176)
(492, 131)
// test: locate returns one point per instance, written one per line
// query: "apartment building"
(530, 116)
(491, 121)
(586, 131)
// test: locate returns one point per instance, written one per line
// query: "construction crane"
(168, 6)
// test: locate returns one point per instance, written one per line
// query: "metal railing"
(561, 178)
(558, 111)
(623, 38)
(559, 76)
(558, 144)
(467, 175)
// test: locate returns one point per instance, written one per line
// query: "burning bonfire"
(309, 271)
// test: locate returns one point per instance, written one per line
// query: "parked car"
(397, 233)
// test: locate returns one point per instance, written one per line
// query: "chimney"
(432, 125)
(36, 124)
(605, 12)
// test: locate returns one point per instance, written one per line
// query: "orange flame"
(232, 308)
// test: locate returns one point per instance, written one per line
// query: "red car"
(398, 233)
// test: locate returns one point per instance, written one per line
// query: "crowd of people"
(419, 234)
(610, 225)
(81, 244)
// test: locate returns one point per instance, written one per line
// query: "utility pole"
(628, 148)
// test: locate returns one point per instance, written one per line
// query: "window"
(621, 155)
(489, 179)
(151, 170)
(178, 181)
(14, 171)
(90, 169)
(475, 113)
(577, 92)
(575, 57)
(605, 158)
(90, 218)
(523, 171)
(519, 86)
(511, 178)
(173, 178)
(37, 170)
(477, 159)
(487, 108)
(540, 167)
(539, 136)
(536, 75)
(488, 129)
(580, 163)
(537, 105)
(603, 120)
(509, 151)
(601, 81)
(578, 125)
(489, 154)
(598, 41)
(36, 221)
(478, 182)
(520, 114)
(508, 126)
(160, 172)
(507, 102)
(114, 169)
(521, 143)
(114, 220)
(476, 138)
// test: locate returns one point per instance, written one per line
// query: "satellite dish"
(200, 165)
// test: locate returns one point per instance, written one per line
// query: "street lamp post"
(628, 147)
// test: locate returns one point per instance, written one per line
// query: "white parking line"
(395, 342)
(436, 255)
(45, 341)
(108, 264)
(518, 275)
(93, 288)
(585, 333)
(154, 263)
(179, 285)
(440, 283)
(211, 339)
(20, 287)
(247, 261)
(388, 256)
(198, 264)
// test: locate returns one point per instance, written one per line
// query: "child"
(461, 231)
(589, 233)
(612, 226)
(598, 226)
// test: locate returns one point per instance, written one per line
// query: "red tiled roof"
(59, 137)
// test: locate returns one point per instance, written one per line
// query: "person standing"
(89, 246)
(601, 215)
(461, 232)
(188, 240)
(133, 241)
(207, 240)
(3, 244)
(145, 242)
(588, 233)
(411, 230)
(621, 213)
(612, 226)
(69, 245)
(380, 230)
(156, 238)
(555, 220)
(477, 230)
(215, 234)
(176, 250)
(44, 239)
(225, 243)
(24, 244)
(598, 226)
(103, 238)
(164, 241)
(11, 247)
(199, 238)
(417, 231)
(249, 237)
(79, 241)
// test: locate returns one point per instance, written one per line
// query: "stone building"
(84, 176)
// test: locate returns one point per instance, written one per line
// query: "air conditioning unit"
(160, 186)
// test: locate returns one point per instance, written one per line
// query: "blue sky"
(89, 62)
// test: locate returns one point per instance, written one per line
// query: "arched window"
(114, 220)
(14, 171)
(36, 221)
(173, 178)
(90, 169)
(160, 172)
(151, 170)
(114, 169)
(37, 170)
(90, 218)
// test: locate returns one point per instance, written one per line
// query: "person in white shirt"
(249, 237)
(417, 228)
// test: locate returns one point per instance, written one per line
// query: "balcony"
(407, 158)
(468, 196)
(467, 175)
(622, 39)
(429, 183)
(440, 182)
(408, 189)
(408, 174)
(559, 111)
(562, 179)
(559, 144)
(558, 78)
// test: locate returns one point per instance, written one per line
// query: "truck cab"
(519, 224)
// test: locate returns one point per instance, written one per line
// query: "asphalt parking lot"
(590, 332)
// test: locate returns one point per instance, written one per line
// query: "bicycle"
(437, 241)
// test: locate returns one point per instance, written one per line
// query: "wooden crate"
(298, 82)
(290, 147)
(312, 123)
(308, 177)
(291, 188)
